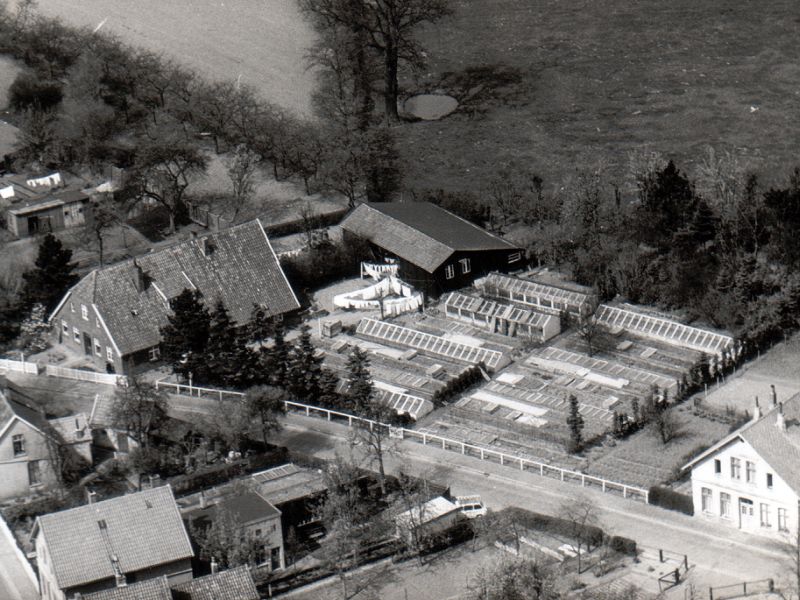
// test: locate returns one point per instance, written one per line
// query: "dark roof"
(150, 589)
(50, 201)
(778, 448)
(234, 584)
(420, 232)
(142, 530)
(247, 507)
(11, 409)
(242, 270)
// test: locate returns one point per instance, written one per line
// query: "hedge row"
(670, 499)
(318, 221)
(464, 381)
(222, 473)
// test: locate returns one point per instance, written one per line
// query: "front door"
(87, 344)
(33, 225)
(745, 513)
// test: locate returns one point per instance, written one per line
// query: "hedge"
(299, 225)
(222, 473)
(466, 379)
(671, 500)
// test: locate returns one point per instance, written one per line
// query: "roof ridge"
(406, 225)
(94, 505)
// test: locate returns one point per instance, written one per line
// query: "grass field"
(580, 81)
(264, 41)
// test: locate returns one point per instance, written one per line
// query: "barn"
(436, 251)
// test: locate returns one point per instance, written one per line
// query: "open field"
(261, 41)
(589, 80)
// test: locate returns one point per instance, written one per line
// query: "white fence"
(20, 366)
(77, 374)
(467, 449)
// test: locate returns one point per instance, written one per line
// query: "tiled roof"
(142, 530)
(419, 232)
(150, 589)
(779, 449)
(241, 271)
(10, 409)
(245, 508)
(234, 584)
(73, 429)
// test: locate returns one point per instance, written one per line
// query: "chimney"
(91, 496)
(140, 278)
(214, 566)
(780, 421)
(774, 395)
(118, 574)
(756, 411)
(208, 246)
(193, 235)
(203, 502)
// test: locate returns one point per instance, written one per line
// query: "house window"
(769, 480)
(717, 466)
(97, 322)
(724, 505)
(449, 271)
(272, 528)
(34, 473)
(98, 349)
(750, 472)
(466, 265)
(783, 522)
(19, 445)
(84, 312)
(109, 354)
(65, 327)
(155, 353)
(514, 257)
(72, 307)
(736, 468)
(765, 515)
(706, 499)
(258, 533)
(76, 334)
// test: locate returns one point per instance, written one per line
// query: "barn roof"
(236, 265)
(419, 232)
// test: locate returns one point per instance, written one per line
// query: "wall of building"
(779, 496)
(69, 321)
(14, 473)
(270, 532)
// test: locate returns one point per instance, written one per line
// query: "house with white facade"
(750, 479)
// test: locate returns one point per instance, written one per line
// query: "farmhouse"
(34, 205)
(749, 479)
(435, 250)
(112, 543)
(27, 443)
(114, 314)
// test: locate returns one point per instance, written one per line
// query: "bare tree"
(590, 331)
(666, 425)
(581, 515)
(266, 403)
(517, 579)
(138, 409)
(388, 27)
(241, 167)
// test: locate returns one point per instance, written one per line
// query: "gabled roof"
(779, 449)
(234, 584)
(420, 232)
(149, 589)
(245, 508)
(242, 270)
(11, 410)
(141, 530)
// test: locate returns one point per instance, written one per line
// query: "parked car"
(471, 506)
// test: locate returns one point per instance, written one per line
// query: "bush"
(299, 225)
(671, 500)
(555, 525)
(29, 92)
(317, 267)
(622, 545)
(464, 381)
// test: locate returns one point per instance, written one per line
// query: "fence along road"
(465, 448)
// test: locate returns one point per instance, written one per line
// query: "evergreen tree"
(360, 390)
(185, 336)
(305, 369)
(53, 276)
(575, 423)
(222, 350)
(328, 396)
(260, 327)
(278, 358)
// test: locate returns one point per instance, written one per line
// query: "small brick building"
(114, 314)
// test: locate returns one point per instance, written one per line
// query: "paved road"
(718, 556)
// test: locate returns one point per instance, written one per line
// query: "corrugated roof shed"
(142, 530)
(234, 584)
(419, 232)
(236, 265)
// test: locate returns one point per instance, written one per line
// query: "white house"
(751, 479)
